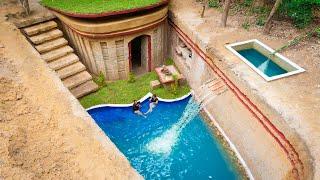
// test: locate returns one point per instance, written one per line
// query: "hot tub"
(263, 60)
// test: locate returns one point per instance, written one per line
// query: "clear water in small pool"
(195, 152)
(262, 62)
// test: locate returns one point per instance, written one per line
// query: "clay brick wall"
(110, 56)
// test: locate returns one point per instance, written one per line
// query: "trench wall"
(249, 136)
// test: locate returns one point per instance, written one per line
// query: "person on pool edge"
(153, 102)
(136, 108)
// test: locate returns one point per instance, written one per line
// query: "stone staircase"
(210, 90)
(217, 86)
(54, 49)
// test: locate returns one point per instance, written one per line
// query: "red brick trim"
(111, 13)
(280, 138)
(149, 53)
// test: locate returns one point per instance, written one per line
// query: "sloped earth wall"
(44, 131)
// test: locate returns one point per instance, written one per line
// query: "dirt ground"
(44, 131)
(41, 137)
(291, 103)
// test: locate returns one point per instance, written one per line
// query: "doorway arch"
(140, 54)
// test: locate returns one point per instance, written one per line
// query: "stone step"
(63, 61)
(77, 79)
(70, 70)
(84, 89)
(47, 36)
(218, 86)
(39, 28)
(51, 45)
(57, 53)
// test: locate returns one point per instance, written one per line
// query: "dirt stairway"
(54, 49)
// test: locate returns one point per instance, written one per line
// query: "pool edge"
(145, 97)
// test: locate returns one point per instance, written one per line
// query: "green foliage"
(169, 61)
(300, 11)
(214, 3)
(298, 39)
(246, 25)
(100, 80)
(132, 78)
(260, 21)
(122, 92)
(96, 6)
(261, 10)
(175, 85)
(317, 31)
(246, 3)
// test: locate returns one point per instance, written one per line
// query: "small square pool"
(264, 60)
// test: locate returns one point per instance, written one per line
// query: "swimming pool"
(264, 60)
(161, 147)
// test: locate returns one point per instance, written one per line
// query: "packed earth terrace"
(158, 89)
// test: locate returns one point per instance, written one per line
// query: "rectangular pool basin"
(264, 60)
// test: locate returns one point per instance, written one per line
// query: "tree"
(268, 24)
(25, 5)
(224, 17)
(204, 4)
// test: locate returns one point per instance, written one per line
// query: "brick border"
(284, 143)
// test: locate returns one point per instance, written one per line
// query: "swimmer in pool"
(136, 108)
(153, 102)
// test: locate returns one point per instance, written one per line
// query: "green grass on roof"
(96, 6)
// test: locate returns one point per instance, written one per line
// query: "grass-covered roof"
(97, 6)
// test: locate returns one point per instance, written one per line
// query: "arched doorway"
(140, 54)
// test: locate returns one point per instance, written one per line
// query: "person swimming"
(136, 106)
(153, 102)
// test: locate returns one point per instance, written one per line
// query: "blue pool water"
(191, 152)
(261, 62)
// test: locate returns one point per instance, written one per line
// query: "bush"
(300, 11)
(246, 25)
(214, 4)
(246, 3)
(318, 32)
(169, 61)
(261, 10)
(132, 78)
(100, 80)
(175, 85)
(260, 21)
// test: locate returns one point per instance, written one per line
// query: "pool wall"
(277, 58)
(230, 145)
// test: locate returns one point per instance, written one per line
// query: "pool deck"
(292, 104)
